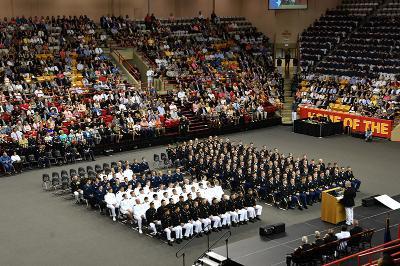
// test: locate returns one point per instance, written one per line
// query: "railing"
(229, 233)
(356, 255)
(131, 69)
(369, 254)
(180, 254)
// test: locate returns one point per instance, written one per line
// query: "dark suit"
(348, 197)
(348, 203)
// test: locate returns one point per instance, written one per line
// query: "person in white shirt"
(126, 208)
(343, 234)
(139, 214)
(128, 173)
(112, 203)
(137, 188)
(149, 74)
(141, 195)
(175, 195)
(120, 175)
(120, 194)
(16, 135)
(16, 162)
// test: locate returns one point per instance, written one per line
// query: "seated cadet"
(319, 186)
(99, 198)
(88, 193)
(214, 215)
(194, 217)
(126, 208)
(312, 193)
(167, 178)
(151, 218)
(139, 211)
(231, 208)
(111, 202)
(186, 220)
(271, 190)
(177, 224)
(349, 176)
(135, 167)
(304, 194)
(144, 165)
(156, 180)
(76, 188)
(204, 214)
(294, 195)
(178, 176)
(166, 223)
(240, 209)
(224, 212)
(254, 210)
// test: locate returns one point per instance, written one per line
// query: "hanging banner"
(380, 127)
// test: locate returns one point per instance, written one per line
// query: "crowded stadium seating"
(62, 94)
(350, 58)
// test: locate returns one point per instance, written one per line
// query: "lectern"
(331, 210)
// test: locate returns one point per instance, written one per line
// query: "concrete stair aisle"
(196, 125)
(287, 105)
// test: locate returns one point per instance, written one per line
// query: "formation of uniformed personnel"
(272, 176)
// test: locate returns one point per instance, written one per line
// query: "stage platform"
(262, 251)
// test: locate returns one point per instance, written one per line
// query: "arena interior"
(200, 132)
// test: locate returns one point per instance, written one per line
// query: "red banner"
(380, 127)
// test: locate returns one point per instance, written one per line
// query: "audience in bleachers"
(352, 62)
(219, 64)
(62, 93)
(367, 97)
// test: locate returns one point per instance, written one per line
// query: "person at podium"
(348, 201)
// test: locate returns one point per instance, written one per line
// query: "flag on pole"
(387, 236)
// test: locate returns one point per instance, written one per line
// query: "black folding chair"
(55, 181)
(32, 161)
(97, 168)
(89, 168)
(51, 158)
(46, 183)
(157, 161)
(78, 156)
(72, 172)
(81, 172)
(60, 159)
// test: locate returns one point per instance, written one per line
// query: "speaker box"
(279, 228)
(370, 201)
(269, 230)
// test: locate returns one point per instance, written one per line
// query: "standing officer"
(348, 202)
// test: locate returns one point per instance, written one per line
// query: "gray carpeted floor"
(37, 228)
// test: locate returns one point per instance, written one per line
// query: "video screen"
(287, 4)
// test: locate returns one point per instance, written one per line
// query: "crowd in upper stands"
(222, 65)
(350, 58)
(366, 97)
(61, 92)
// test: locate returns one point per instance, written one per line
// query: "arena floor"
(37, 228)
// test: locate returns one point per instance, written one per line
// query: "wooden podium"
(331, 210)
